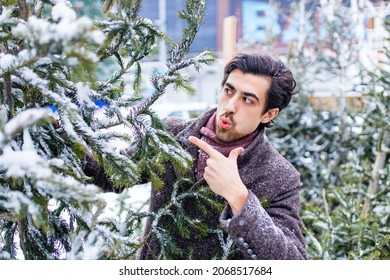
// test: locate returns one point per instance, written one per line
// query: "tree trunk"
(7, 98)
(23, 10)
(380, 161)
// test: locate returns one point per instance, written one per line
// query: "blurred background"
(282, 28)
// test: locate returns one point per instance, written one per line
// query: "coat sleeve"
(271, 233)
(98, 176)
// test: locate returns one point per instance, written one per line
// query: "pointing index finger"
(203, 146)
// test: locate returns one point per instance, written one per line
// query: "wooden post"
(229, 48)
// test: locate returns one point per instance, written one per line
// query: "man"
(233, 157)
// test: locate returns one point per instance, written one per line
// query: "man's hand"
(221, 174)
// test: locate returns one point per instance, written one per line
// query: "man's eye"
(228, 91)
(247, 100)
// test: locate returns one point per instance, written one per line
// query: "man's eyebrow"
(252, 95)
(229, 85)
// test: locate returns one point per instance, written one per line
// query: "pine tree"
(49, 123)
(342, 154)
(352, 218)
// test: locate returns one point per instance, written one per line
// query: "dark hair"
(282, 81)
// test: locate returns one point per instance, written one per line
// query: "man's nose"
(231, 106)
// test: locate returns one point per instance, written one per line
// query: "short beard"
(228, 135)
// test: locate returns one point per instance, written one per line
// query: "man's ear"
(270, 115)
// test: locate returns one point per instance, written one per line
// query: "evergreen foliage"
(49, 60)
(183, 224)
(341, 153)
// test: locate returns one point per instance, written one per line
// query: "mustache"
(228, 116)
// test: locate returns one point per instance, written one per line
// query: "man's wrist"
(238, 200)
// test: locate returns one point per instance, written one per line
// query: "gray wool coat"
(269, 231)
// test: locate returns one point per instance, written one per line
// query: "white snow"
(97, 36)
(63, 12)
(17, 200)
(83, 95)
(18, 163)
(24, 119)
(6, 60)
(28, 75)
(134, 198)
(5, 15)
(67, 28)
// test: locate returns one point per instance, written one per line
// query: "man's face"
(241, 105)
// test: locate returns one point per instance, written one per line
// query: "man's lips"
(225, 123)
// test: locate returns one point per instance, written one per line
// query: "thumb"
(235, 153)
